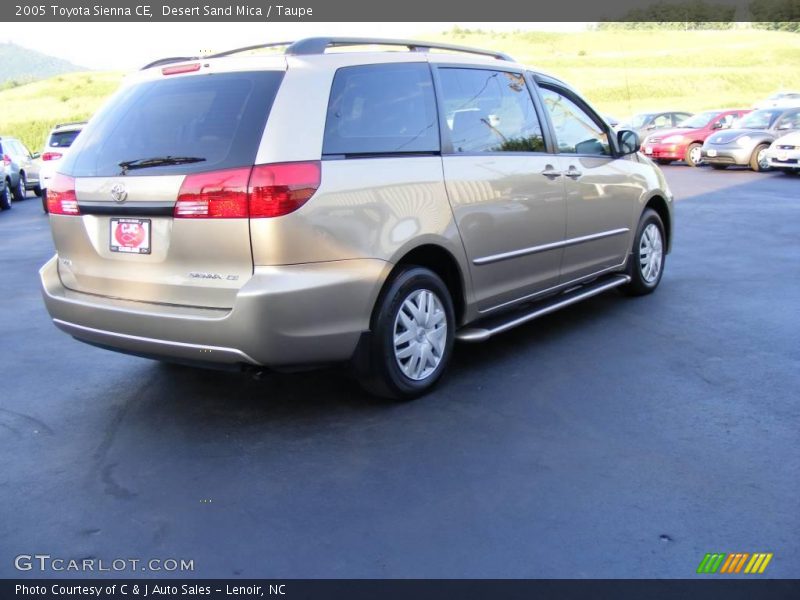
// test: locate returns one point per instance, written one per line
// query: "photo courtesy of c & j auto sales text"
(402, 301)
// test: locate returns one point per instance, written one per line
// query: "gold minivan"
(278, 211)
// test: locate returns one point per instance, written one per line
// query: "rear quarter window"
(218, 118)
(382, 109)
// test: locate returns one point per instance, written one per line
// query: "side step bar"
(483, 330)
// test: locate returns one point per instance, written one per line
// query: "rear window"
(209, 122)
(62, 139)
(382, 109)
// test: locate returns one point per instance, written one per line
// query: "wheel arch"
(441, 261)
(659, 204)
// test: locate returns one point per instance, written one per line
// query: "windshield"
(699, 120)
(758, 119)
(177, 126)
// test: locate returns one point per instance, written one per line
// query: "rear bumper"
(283, 316)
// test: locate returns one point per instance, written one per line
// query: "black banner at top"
(686, 11)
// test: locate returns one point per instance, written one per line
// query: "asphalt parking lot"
(618, 438)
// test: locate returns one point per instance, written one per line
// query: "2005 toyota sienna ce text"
(368, 208)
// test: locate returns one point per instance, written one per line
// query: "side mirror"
(36, 155)
(651, 126)
(628, 142)
(718, 125)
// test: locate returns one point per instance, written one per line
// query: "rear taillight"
(215, 195)
(61, 199)
(261, 192)
(51, 155)
(7, 160)
(279, 189)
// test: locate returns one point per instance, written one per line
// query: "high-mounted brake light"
(61, 198)
(216, 195)
(174, 70)
(261, 192)
(51, 155)
(279, 189)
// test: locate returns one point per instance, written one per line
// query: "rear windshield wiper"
(158, 161)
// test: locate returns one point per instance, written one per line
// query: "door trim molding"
(493, 258)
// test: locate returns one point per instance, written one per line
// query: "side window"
(576, 132)
(377, 109)
(489, 111)
(662, 121)
(789, 121)
(726, 121)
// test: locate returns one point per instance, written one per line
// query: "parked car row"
(23, 170)
(760, 139)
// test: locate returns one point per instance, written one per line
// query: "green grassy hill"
(620, 72)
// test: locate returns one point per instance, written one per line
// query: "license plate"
(711, 152)
(648, 149)
(130, 235)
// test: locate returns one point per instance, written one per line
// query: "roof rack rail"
(70, 124)
(248, 48)
(169, 60)
(318, 45)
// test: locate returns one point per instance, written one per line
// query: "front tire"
(5, 197)
(646, 262)
(759, 161)
(412, 335)
(694, 154)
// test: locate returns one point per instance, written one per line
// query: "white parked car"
(784, 153)
(780, 100)
(59, 140)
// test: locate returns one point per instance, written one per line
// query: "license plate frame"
(136, 238)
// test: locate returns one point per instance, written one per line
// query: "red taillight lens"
(191, 67)
(279, 189)
(51, 155)
(61, 199)
(272, 191)
(7, 160)
(216, 195)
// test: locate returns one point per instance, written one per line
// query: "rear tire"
(5, 197)
(412, 335)
(758, 162)
(648, 255)
(693, 156)
(20, 192)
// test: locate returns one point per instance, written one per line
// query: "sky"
(124, 46)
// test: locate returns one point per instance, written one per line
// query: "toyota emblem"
(118, 192)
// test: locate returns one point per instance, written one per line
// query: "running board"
(486, 328)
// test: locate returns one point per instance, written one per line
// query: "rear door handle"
(551, 173)
(573, 173)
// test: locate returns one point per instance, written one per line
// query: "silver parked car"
(746, 144)
(22, 166)
(364, 208)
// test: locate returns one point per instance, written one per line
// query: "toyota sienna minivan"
(364, 208)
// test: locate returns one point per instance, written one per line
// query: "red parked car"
(685, 141)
